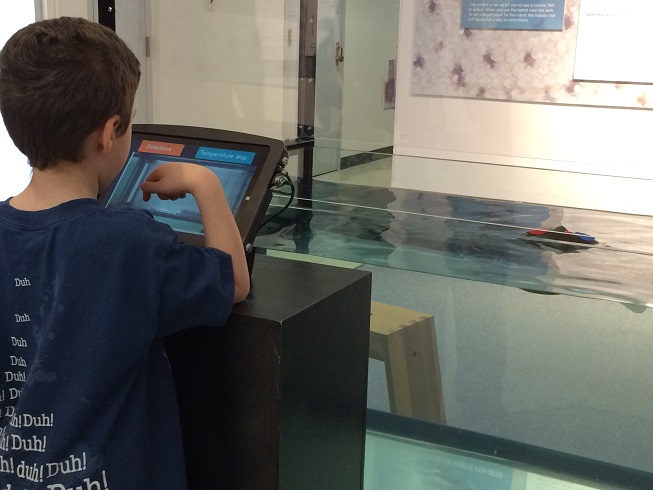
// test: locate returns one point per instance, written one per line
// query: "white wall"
(537, 152)
(68, 8)
(14, 170)
(371, 38)
(232, 68)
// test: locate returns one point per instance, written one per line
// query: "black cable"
(291, 196)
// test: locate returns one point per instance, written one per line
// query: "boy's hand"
(174, 180)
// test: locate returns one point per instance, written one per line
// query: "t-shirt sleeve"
(197, 288)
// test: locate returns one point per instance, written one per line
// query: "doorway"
(234, 70)
(355, 55)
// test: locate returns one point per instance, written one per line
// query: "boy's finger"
(148, 189)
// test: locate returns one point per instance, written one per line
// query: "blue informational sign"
(226, 156)
(533, 15)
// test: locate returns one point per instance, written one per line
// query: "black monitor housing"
(246, 165)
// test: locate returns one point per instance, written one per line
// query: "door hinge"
(147, 46)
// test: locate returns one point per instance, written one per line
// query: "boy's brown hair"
(60, 80)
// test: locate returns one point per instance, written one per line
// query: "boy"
(86, 293)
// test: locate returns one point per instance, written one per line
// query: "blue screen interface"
(235, 168)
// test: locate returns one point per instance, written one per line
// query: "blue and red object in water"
(562, 234)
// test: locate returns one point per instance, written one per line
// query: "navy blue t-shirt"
(86, 394)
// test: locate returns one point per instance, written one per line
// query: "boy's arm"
(173, 181)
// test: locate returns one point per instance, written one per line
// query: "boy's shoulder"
(120, 223)
(131, 225)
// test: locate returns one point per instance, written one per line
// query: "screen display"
(235, 167)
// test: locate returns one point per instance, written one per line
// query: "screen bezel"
(269, 154)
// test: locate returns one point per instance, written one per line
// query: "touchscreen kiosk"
(246, 165)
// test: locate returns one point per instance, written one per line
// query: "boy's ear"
(107, 132)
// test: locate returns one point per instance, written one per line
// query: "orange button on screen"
(161, 148)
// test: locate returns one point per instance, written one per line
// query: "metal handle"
(340, 54)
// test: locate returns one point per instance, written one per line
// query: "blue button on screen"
(226, 156)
